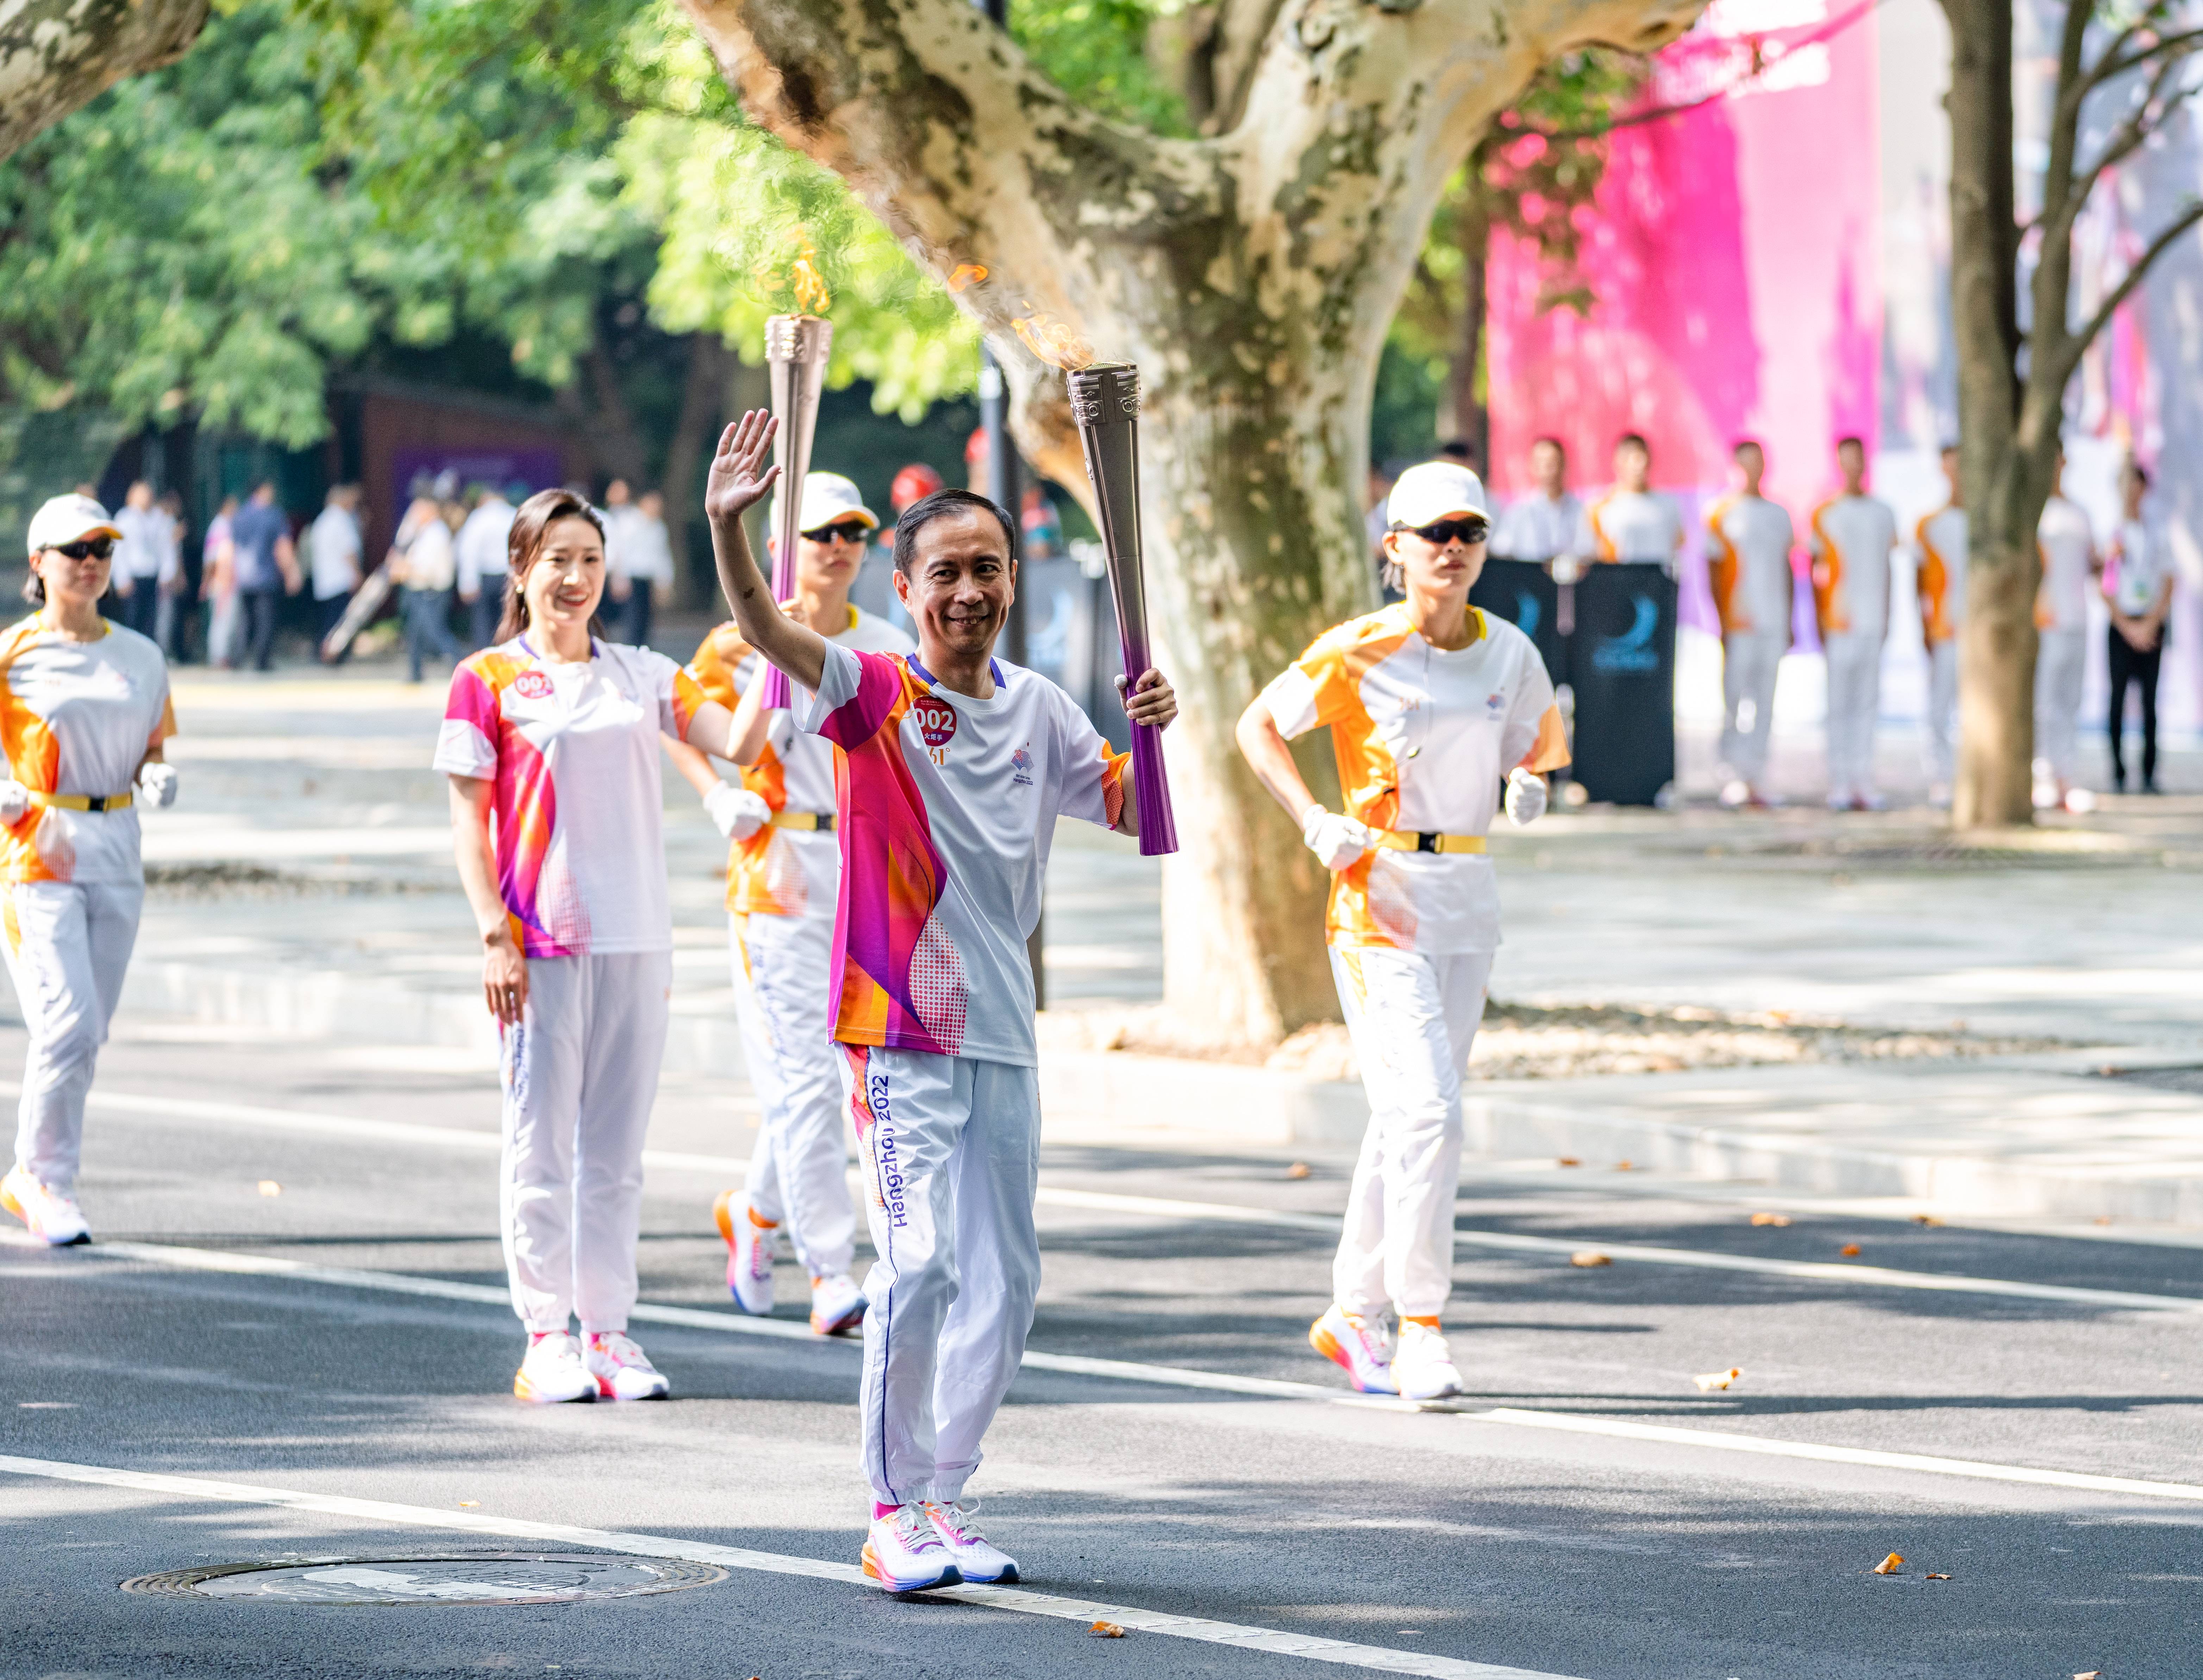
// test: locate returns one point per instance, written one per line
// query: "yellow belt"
(1402, 839)
(809, 822)
(81, 801)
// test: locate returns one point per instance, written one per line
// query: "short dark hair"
(1856, 442)
(1743, 443)
(2141, 472)
(1632, 440)
(1458, 448)
(530, 523)
(1556, 443)
(927, 509)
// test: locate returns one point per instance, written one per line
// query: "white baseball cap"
(829, 498)
(68, 519)
(1434, 491)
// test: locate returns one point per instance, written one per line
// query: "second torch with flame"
(1105, 400)
(795, 352)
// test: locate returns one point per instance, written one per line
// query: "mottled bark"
(55, 54)
(701, 392)
(1251, 276)
(1467, 415)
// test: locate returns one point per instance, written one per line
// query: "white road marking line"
(1886, 1277)
(1268, 1641)
(1174, 1376)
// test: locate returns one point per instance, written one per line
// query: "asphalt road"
(1566, 1536)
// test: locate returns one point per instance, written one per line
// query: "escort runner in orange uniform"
(1750, 539)
(1432, 705)
(1942, 592)
(1852, 536)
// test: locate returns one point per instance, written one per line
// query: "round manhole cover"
(479, 1578)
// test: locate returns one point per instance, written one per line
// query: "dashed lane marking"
(1178, 1376)
(1267, 1640)
(1864, 1277)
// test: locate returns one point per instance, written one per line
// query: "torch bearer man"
(953, 768)
(1432, 706)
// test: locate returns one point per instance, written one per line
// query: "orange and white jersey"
(79, 717)
(2068, 543)
(1633, 525)
(1424, 737)
(1749, 565)
(1851, 539)
(1942, 582)
(784, 871)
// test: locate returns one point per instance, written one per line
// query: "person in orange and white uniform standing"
(1852, 536)
(84, 712)
(1433, 706)
(784, 882)
(1750, 542)
(2069, 563)
(1630, 523)
(1941, 589)
(550, 741)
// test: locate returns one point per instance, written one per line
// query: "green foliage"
(1097, 52)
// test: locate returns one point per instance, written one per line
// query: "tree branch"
(2068, 356)
(55, 54)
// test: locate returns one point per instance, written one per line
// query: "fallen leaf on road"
(1622, 1166)
(1848, 1250)
(1770, 1218)
(1106, 1630)
(1888, 1565)
(1298, 1170)
(1716, 1379)
(1589, 1257)
(1570, 1161)
(1925, 1219)
(2093, 1674)
(2102, 1219)
(268, 1186)
(1932, 1576)
(468, 1504)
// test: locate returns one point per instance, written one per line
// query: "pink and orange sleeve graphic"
(1828, 576)
(523, 802)
(892, 876)
(1723, 568)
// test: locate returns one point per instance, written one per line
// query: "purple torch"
(1105, 400)
(795, 349)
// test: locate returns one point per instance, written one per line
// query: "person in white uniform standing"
(84, 711)
(480, 550)
(550, 740)
(2070, 563)
(1852, 536)
(783, 883)
(954, 768)
(1543, 526)
(1433, 706)
(1940, 587)
(1750, 539)
(1632, 524)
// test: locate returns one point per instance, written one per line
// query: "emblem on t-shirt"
(937, 724)
(531, 686)
(1495, 703)
(1021, 765)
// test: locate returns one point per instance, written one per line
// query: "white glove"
(159, 783)
(1336, 839)
(737, 812)
(1526, 797)
(14, 800)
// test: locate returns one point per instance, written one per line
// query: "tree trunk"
(1251, 277)
(55, 54)
(694, 429)
(1470, 417)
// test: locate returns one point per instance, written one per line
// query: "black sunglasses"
(1473, 529)
(848, 531)
(92, 548)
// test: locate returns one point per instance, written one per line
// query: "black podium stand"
(1622, 664)
(1523, 593)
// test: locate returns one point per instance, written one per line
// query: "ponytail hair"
(531, 524)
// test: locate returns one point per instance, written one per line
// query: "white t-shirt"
(645, 548)
(1635, 526)
(334, 543)
(2136, 569)
(1851, 539)
(785, 871)
(1940, 582)
(2068, 544)
(619, 537)
(1749, 570)
(947, 808)
(1424, 737)
(576, 810)
(149, 543)
(481, 543)
(78, 717)
(1537, 528)
(430, 563)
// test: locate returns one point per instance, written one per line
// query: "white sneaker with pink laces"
(623, 1372)
(904, 1552)
(977, 1559)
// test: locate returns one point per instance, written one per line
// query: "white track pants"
(581, 1074)
(1749, 661)
(67, 945)
(799, 1171)
(2060, 662)
(1413, 1019)
(1943, 711)
(1854, 703)
(950, 1151)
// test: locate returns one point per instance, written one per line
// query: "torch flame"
(800, 277)
(1054, 342)
(965, 276)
